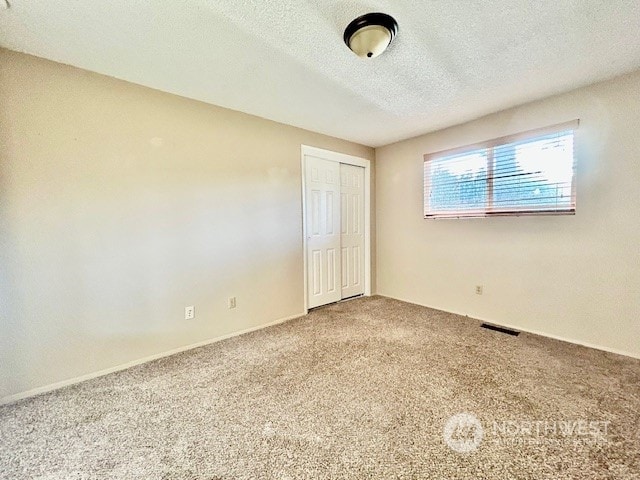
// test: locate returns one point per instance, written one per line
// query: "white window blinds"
(527, 173)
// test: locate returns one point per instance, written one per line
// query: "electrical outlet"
(478, 289)
(189, 312)
(232, 302)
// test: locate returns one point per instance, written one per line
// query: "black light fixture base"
(368, 19)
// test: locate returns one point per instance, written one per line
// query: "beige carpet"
(361, 389)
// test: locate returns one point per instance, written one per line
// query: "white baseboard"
(520, 329)
(71, 381)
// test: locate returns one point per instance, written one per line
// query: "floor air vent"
(508, 331)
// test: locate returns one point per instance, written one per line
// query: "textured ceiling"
(452, 61)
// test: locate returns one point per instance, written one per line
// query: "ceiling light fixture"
(370, 35)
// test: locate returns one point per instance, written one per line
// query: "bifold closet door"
(351, 230)
(322, 216)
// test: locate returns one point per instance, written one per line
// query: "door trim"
(349, 160)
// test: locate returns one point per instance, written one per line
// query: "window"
(531, 173)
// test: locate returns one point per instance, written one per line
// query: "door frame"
(349, 160)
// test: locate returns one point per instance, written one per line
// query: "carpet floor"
(370, 388)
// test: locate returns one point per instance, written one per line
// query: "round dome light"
(370, 35)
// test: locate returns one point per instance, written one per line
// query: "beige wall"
(575, 277)
(120, 205)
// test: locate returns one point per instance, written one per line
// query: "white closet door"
(352, 230)
(322, 201)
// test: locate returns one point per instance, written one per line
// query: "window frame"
(490, 145)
